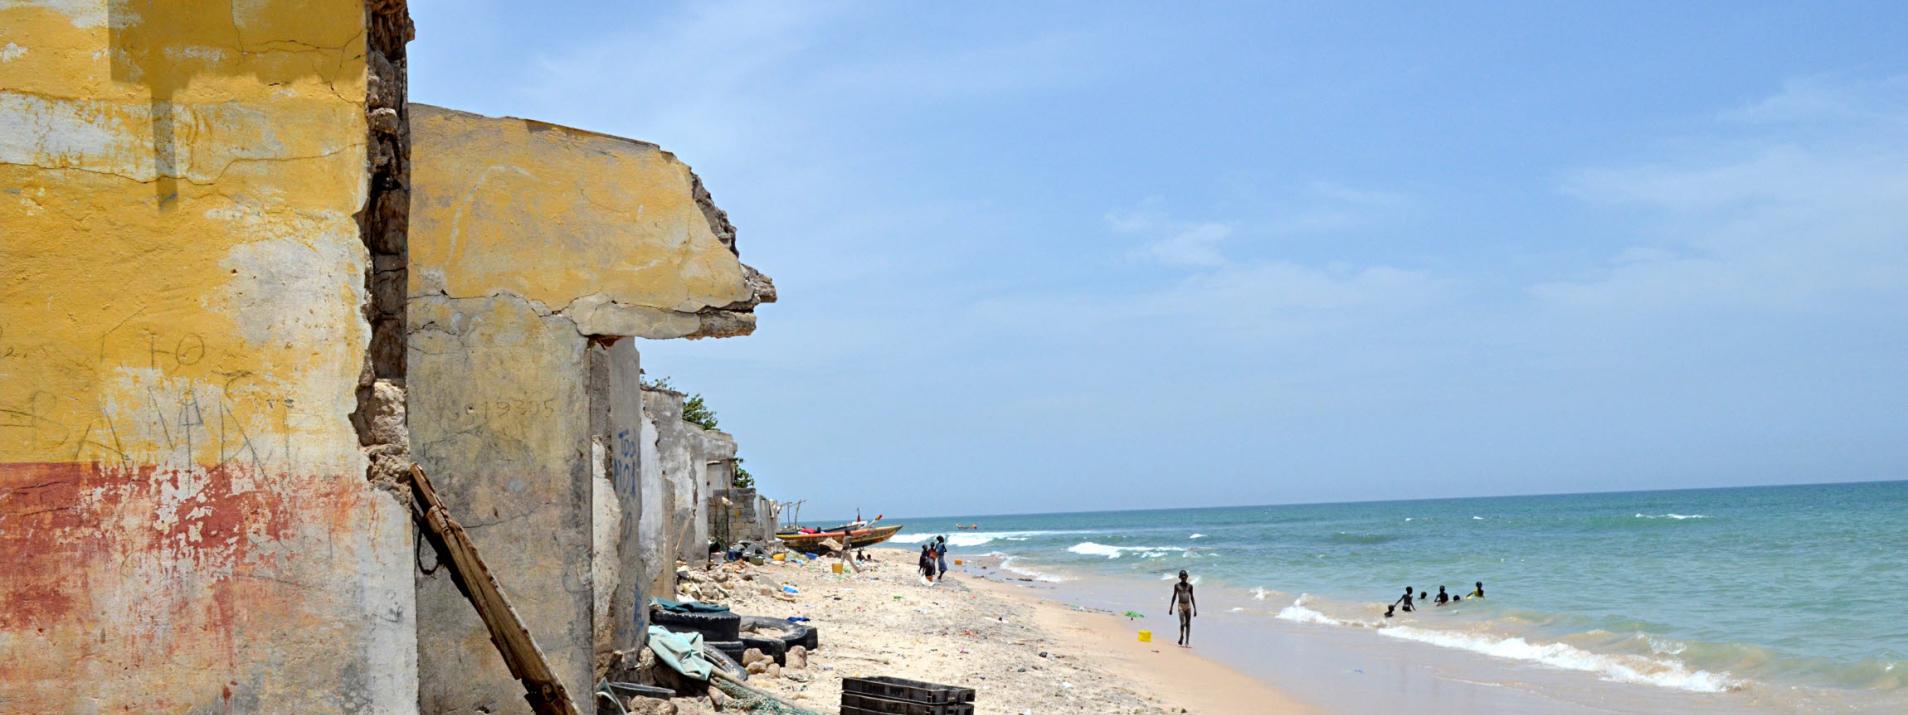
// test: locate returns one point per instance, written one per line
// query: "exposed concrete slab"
(615, 233)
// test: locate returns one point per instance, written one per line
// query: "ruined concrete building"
(246, 285)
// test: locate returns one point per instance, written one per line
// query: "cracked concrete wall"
(711, 452)
(185, 523)
(589, 240)
(499, 419)
(766, 519)
(621, 575)
(656, 534)
(681, 455)
(671, 459)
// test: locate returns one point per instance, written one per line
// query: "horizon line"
(1404, 501)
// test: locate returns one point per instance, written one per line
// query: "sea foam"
(1622, 668)
(1007, 564)
(976, 538)
(1298, 613)
(1088, 548)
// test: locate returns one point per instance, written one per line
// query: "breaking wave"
(1088, 548)
(1678, 517)
(1298, 613)
(976, 538)
(1667, 673)
(1007, 564)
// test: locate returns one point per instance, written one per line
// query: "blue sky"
(1070, 256)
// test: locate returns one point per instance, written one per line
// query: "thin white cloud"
(1819, 99)
(1807, 213)
(1171, 242)
(1195, 245)
(1014, 65)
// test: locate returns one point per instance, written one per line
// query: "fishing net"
(747, 699)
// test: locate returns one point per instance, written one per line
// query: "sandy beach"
(1021, 653)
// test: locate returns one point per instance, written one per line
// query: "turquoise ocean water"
(1795, 587)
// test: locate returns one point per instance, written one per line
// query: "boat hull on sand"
(856, 538)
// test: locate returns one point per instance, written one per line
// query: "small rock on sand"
(640, 705)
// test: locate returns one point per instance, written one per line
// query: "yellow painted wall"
(184, 519)
(554, 215)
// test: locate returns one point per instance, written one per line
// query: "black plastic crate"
(906, 691)
(860, 704)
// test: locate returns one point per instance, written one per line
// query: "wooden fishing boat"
(857, 537)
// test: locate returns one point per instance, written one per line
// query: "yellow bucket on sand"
(1146, 636)
(958, 562)
(836, 566)
(780, 557)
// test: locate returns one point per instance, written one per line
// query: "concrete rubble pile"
(249, 285)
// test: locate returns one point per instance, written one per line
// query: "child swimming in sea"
(1405, 599)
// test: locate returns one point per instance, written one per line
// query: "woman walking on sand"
(1187, 608)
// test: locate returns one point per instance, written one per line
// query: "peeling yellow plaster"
(180, 340)
(554, 215)
(177, 190)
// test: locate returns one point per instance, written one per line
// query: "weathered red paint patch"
(163, 583)
(62, 523)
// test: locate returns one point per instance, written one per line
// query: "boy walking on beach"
(1187, 608)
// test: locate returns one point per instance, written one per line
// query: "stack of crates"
(899, 696)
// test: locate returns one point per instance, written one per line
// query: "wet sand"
(1020, 652)
(1342, 669)
(1033, 646)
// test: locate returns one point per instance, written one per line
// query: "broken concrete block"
(753, 656)
(640, 705)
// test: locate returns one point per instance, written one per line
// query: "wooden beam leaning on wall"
(527, 664)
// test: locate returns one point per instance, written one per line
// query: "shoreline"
(1179, 677)
(1030, 645)
(1375, 668)
(1019, 651)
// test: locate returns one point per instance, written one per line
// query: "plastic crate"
(906, 691)
(859, 704)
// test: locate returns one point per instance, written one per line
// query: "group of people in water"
(933, 563)
(1406, 601)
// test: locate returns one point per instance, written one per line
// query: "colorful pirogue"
(857, 535)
